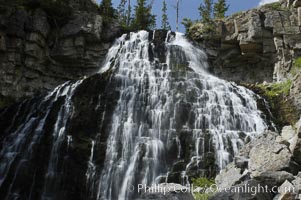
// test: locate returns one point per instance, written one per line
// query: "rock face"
(256, 46)
(270, 161)
(264, 40)
(36, 56)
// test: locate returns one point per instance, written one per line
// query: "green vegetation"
(275, 6)
(123, 13)
(143, 19)
(204, 184)
(277, 94)
(205, 10)
(165, 24)
(220, 9)
(296, 66)
(187, 24)
(107, 11)
(277, 89)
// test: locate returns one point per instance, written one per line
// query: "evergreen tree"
(220, 9)
(122, 13)
(107, 10)
(206, 11)
(187, 24)
(177, 9)
(129, 14)
(165, 24)
(143, 19)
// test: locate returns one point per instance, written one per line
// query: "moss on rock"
(282, 107)
(296, 66)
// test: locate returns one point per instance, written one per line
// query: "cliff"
(38, 53)
(261, 49)
(261, 45)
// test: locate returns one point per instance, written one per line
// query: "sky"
(189, 9)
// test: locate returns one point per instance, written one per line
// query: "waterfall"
(22, 145)
(152, 114)
(157, 101)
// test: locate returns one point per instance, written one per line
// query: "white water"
(160, 100)
(20, 146)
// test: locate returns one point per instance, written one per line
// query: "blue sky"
(189, 9)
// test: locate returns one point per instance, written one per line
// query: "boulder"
(269, 157)
(287, 133)
(239, 192)
(229, 176)
(287, 191)
(272, 179)
(297, 183)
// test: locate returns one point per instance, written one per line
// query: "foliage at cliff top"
(107, 11)
(274, 6)
(206, 26)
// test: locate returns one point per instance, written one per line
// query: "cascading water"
(153, 114)
(157, 101)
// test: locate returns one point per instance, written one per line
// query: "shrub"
(276, 89)
(203, 183)
(274, 6)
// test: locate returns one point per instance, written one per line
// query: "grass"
(203, 183)
(296, 66)
(276, 89)
(277, 94)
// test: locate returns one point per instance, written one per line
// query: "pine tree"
(187, 24)
(122, 13)
(177, 9)
(220, 9)
(206, 11)
(165, 24)
(129, 14)
(144, 19)
(107, 10)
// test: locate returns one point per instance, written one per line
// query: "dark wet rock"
(83, 126)
(234, 176)
(272, 179)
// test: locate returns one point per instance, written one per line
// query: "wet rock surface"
(66, 176)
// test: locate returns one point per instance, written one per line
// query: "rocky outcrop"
(256, 46)
(271, 160)
(265, 40)
(36, 55)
